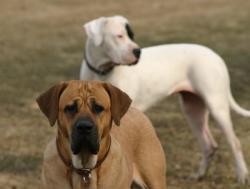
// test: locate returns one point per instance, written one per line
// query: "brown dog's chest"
(115, 172)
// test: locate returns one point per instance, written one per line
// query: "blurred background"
(42, 43)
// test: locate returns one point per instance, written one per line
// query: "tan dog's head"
(115, 37)
(84, 111)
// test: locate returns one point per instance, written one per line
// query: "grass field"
(42, 42)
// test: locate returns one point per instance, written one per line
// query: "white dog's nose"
(137, 52)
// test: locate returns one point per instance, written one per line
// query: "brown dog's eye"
(97, 108)
(71, 109)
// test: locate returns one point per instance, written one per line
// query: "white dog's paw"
(244, 178)
(196, 176)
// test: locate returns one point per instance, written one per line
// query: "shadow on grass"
(19, 164)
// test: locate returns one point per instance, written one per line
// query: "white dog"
(194, 71)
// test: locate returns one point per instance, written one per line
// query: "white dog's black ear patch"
(129, 31)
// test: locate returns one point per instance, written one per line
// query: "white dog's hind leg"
(220, 110)
(197, 116)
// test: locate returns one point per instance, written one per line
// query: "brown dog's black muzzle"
(84, 136)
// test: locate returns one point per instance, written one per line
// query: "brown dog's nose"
(137, 52)
(84, 126)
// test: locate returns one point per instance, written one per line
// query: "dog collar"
(85, 173)
(100, 72)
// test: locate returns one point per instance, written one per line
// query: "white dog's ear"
(94, 30)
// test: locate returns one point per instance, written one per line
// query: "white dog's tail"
(234, 106)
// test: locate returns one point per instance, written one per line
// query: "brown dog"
(89, 152)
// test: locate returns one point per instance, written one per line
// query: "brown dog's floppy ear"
(120, 102)
(49, 102)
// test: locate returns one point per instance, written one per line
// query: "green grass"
(42, 43)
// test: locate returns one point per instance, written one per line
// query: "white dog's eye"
(119, 36)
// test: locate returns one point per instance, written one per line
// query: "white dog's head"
(115, 37)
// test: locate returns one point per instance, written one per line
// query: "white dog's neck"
(96, 56)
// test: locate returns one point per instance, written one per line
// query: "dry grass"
(41, 43)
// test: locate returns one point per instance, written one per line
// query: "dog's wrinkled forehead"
(83, 91)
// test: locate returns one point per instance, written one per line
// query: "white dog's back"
(161, 71)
